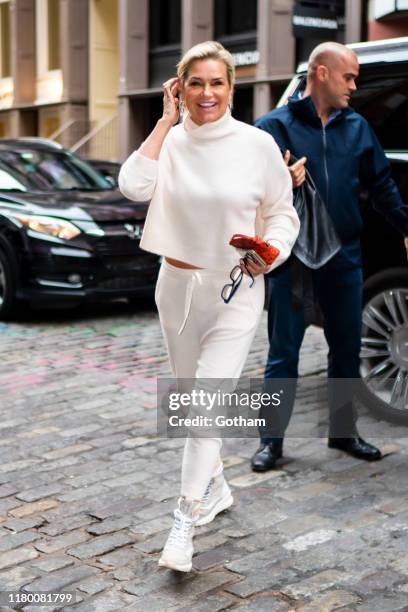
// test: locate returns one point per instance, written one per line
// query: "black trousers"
(340, 298)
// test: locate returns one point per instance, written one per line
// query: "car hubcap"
(2, 284)
(384, 354)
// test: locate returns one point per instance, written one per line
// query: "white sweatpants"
(205, 339)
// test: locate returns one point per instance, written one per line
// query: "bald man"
(342, 154)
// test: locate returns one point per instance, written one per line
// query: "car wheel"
(384, 353)
(7, 284)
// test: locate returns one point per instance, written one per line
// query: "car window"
(9, 183)
(52, 171)
(400, 175)
(109, 170)
(382, 98)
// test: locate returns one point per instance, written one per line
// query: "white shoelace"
(181, 530)
(208, 492)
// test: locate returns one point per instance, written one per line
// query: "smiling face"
(339, 80)
(206, 90)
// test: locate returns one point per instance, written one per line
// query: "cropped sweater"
(210, 182)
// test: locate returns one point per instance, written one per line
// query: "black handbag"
(317, 241)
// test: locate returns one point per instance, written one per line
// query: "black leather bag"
(317, 241)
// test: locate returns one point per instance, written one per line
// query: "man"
(342, 154)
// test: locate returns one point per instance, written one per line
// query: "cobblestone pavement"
(87, 490)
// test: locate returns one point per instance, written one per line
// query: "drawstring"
(195, 277)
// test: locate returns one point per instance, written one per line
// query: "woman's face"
(206, 90)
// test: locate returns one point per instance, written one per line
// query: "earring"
(182, 108)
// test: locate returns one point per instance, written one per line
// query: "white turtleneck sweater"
(212, 181)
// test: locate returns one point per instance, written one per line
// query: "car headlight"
(58, 228)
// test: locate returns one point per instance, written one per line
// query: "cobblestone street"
(87, 488)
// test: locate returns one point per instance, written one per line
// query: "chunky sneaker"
(178, 551)
(217, 498)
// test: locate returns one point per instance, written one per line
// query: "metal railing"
(100, 142)
(72, 131)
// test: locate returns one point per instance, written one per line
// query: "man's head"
(332, 72)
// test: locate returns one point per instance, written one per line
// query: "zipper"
(326, 173)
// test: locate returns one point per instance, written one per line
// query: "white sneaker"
(178, 551)
(217, 498)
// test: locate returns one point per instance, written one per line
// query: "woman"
(208, 178)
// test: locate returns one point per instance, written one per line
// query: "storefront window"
(243, 107)
(233, 17)
(315, 21)
(165, 39)
(165, 23)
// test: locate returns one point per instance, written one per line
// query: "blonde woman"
(208, 178)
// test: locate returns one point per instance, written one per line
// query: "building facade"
(387, 19)
(89, 72)
(43, 66)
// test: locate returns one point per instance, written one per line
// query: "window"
(382, 98)
(5, 61)
(9, 182)
(233, 17)
(53, 35)
(165, 39)
(51, 171)
(315, 21)
(337, 6)
(165, 23)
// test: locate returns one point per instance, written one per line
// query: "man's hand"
(406, 244)
(297, 170)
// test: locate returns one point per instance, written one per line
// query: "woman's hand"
(254, 268)
(151, 147)
(171, 101)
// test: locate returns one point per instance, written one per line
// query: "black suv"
(109, 169)
(382, 98)
(66, 232)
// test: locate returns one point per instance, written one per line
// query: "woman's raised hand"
(171, 101)
(151, 147)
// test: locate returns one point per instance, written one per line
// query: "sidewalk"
(87, 490)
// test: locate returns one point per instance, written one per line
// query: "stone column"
(276, 45)
(134, 70)
(134, 45)
(74, 49)
(22, 25)
(197, 22)
(353, 21)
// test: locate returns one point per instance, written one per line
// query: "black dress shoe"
(357, 447)
(266, 456)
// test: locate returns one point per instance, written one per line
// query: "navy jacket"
(342, 157)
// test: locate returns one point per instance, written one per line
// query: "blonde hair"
(207, 50)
